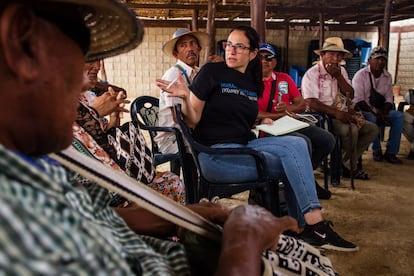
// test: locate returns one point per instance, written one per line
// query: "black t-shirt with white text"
(230, 105)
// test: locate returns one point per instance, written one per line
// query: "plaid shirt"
(52, 227)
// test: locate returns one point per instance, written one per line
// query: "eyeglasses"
(238, 47)
(267, 57)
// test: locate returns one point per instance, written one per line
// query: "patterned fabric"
(50, 227)
(294, 257)
(86, 99)
(124, 144)
(167, 183)
(132, 154)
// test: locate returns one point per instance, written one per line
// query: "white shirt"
(165, 117)
(319, 84)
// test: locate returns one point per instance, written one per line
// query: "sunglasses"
(267, 57)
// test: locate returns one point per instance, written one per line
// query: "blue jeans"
(396, 121)
(286, 155)
(322, 142)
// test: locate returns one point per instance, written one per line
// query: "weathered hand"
(110, 102)
(267, 121)
(333, 69)
(281, 107)
(214, 212)
(345, 117)
(251, 223)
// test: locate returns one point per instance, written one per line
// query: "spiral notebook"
(283, 126)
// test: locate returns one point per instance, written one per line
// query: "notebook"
(282, 126)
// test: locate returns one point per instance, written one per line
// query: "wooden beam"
(321, 29)
(257, 15)
(285, 60)
(397, 59)
(269, 25)
(385, 37)
(211, 28)
(194, 22)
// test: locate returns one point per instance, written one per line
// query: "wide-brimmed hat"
(334, 44)
(379, 51)
(168, 47)
(113, 27)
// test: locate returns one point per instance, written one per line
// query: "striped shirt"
(50, 225)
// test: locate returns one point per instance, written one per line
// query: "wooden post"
(285, 61)
(194, 22)
(385, 37)
(321, 29)
(211, 28)
(258, 17)
(397, 59)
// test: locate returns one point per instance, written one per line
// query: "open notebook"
(282, 126)
(137, 192)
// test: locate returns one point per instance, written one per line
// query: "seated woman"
(119, 146)
(221, 106)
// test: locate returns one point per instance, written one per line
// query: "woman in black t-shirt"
(221, 106)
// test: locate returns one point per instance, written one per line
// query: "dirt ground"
(378, 216)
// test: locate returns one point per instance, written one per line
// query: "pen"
(176, 79)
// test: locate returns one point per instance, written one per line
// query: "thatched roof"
(291, 12)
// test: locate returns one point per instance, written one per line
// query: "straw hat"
(334, 44)
(114, 28)
(168, 47)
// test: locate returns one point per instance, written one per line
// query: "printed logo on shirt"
(283, 87)
(230, 88)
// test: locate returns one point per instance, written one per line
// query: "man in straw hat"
(50, 226)
(185, 45)
(375, 77)
(327, 88)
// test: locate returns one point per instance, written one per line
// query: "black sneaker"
(321, 235)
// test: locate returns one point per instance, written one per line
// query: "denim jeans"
(322, 142)
(396, 121)
(285, 155)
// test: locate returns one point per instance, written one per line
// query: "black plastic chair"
(267, 188)
(144, 112)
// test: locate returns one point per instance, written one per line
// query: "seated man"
(327, 88)
(280, 86)
(408, 127)
(49, 226)
(375, 78)
(185, 46)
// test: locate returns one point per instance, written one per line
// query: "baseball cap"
(379, 51)
(267, 47)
